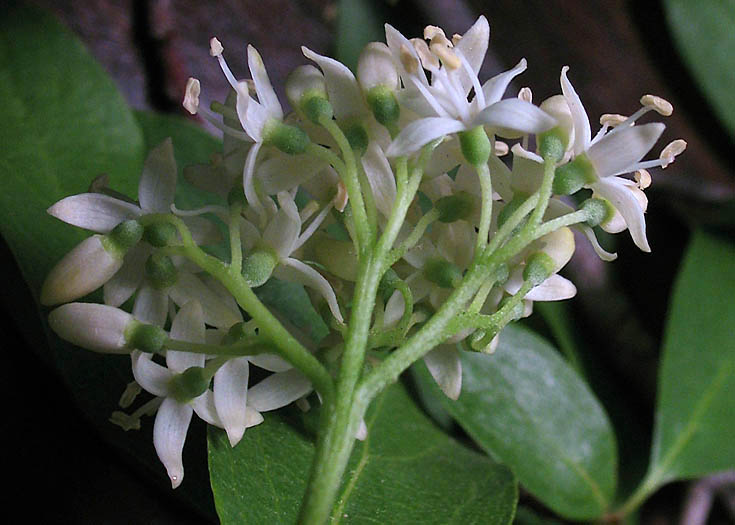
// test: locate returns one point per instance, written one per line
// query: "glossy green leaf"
(406, 471)
(358, 23)
(695, 415)
(703, 31)
(528, 408)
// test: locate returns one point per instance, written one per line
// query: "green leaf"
(528, 408)
(291, 301)
(704, 35)
(695, 415)
(406, 471)
(357, 24)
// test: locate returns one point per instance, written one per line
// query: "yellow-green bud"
(123, 237)
(384, 105)
(598, 211)
(288, 139)
(357, 137)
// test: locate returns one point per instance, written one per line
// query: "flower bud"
(559, 246)
(84, 269)
(558, 108)
(96, 327)
(375, 67)
(145, 337)
(123, 237)
(357, 137)
(306, 90)
(384, 105)
(598, 211)
(258, 267)
(475, 145)
(288, 139)
(160, 234)
(572, 176)
(442, 273)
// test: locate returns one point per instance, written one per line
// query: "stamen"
(129, 394)
(429, 98)
(671, 151)
(658, 104)
(309, 231)
(517, 149)
(212, 208)
(612, 119)
(448, 57)
(428, 60)
(456, 37)
(642, 178)
(525, 94)
(501, 148)
(191, 96)
(209, 117)
(340, 200)
(215, 47)
(409, 61)
(308, 210)
(433, 31)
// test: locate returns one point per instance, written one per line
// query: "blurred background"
(617, 51)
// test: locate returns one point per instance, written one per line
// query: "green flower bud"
(573, 176)
(384, 105)
(442, 273)
(288, 139)
(552, 144)
(475, 145)
(598, 210)
(455, 207)
(96, 327)
(161, 271)
(144, 337)
(190, 384)
(306, 90)
(160, 234)
(258, 267)
(539, 266)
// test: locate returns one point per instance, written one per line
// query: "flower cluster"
(409, 194)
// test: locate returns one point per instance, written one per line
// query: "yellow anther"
(215, 47)
(456, 37)
(191, 96)
(340, 200)
(525, 94)
(428, 60)
(501, 148)
(658, 104)
(409, 61)
(432, 31)
(612, 119)
(642, 178)
(671, 151)
(447, 56)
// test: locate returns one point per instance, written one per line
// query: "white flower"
(443, 103)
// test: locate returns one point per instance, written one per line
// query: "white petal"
(396, 42)
(362, 431)
(473, 47)
(599, 250)
(515, 115)
(231, 395)
(248, 181)
(151, 305)
(394, 309)
(278, 390)
(380, 176)
(122, 285)
(266, 95)
(96, 327)
(203, 231)
(169, 434)
(81, 271)
(582, 132)
(285, 172)
(151, 376)
(618, 152)
(555, 288)
(420, 132)
(270, 362)
(94, 211)
(158, 181)
(342, 88)
(204, 407)
(446, 368)
(252, 114)
(188, 325)
(188, 287)
(249, 234)
(623, 199)
(494, 88)
(296, 271)
(283, 230)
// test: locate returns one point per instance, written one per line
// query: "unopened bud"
(96, 327)
(306, 90)
(384, 105)
(559, 246)
(375, 68)
(476, 146)
(357, 137)
(123, 237)
(144, 337)
(558, 108)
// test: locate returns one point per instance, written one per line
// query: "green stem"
(644, 490)
(235, 240)
(486, 214)
(544, 193)
(252, 346)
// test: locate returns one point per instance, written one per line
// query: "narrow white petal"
(555, 288)
(151, 376)
(285, 172)
(283, 230)
(266, 95)
(380, 176)
(188, 325)
(158, 180)
(169, 434)
(394, 309)
(473, 44)
(599, 250)
(296, 271)
(278, 390)
(515, 115)
(122, 285)
(205, 408)
(248, 181)
(494, 88)
(253, 417)
(396, 43)
(420, 132)
(189, 287)
(96, 327)
(342, 88)
(446, 368)
(271, 362)
(94, 211)
(617, 153)
(582, 132)
(623, 199)
(231, 395)
(151, 305)
(249, 234)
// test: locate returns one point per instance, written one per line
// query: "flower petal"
(494, 88)
(283, 230)
(151, 305)
(380, 176)
(473, 47)
(189, 287)
(188, 325)
(580, 121)
(153, 377)
(446, 369)
(270, 362)
(204, 407)
(515, 116)
(169, 434)
(122, 285)
(285, 172)
(266, 95)
(94, 211)
(619, 151)
(278, 390)
(420, 132)
(231, 395)
(623, 199)
(555, 288)
(296, 271)
(158, 181)
(342, 88)
(599, 250)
